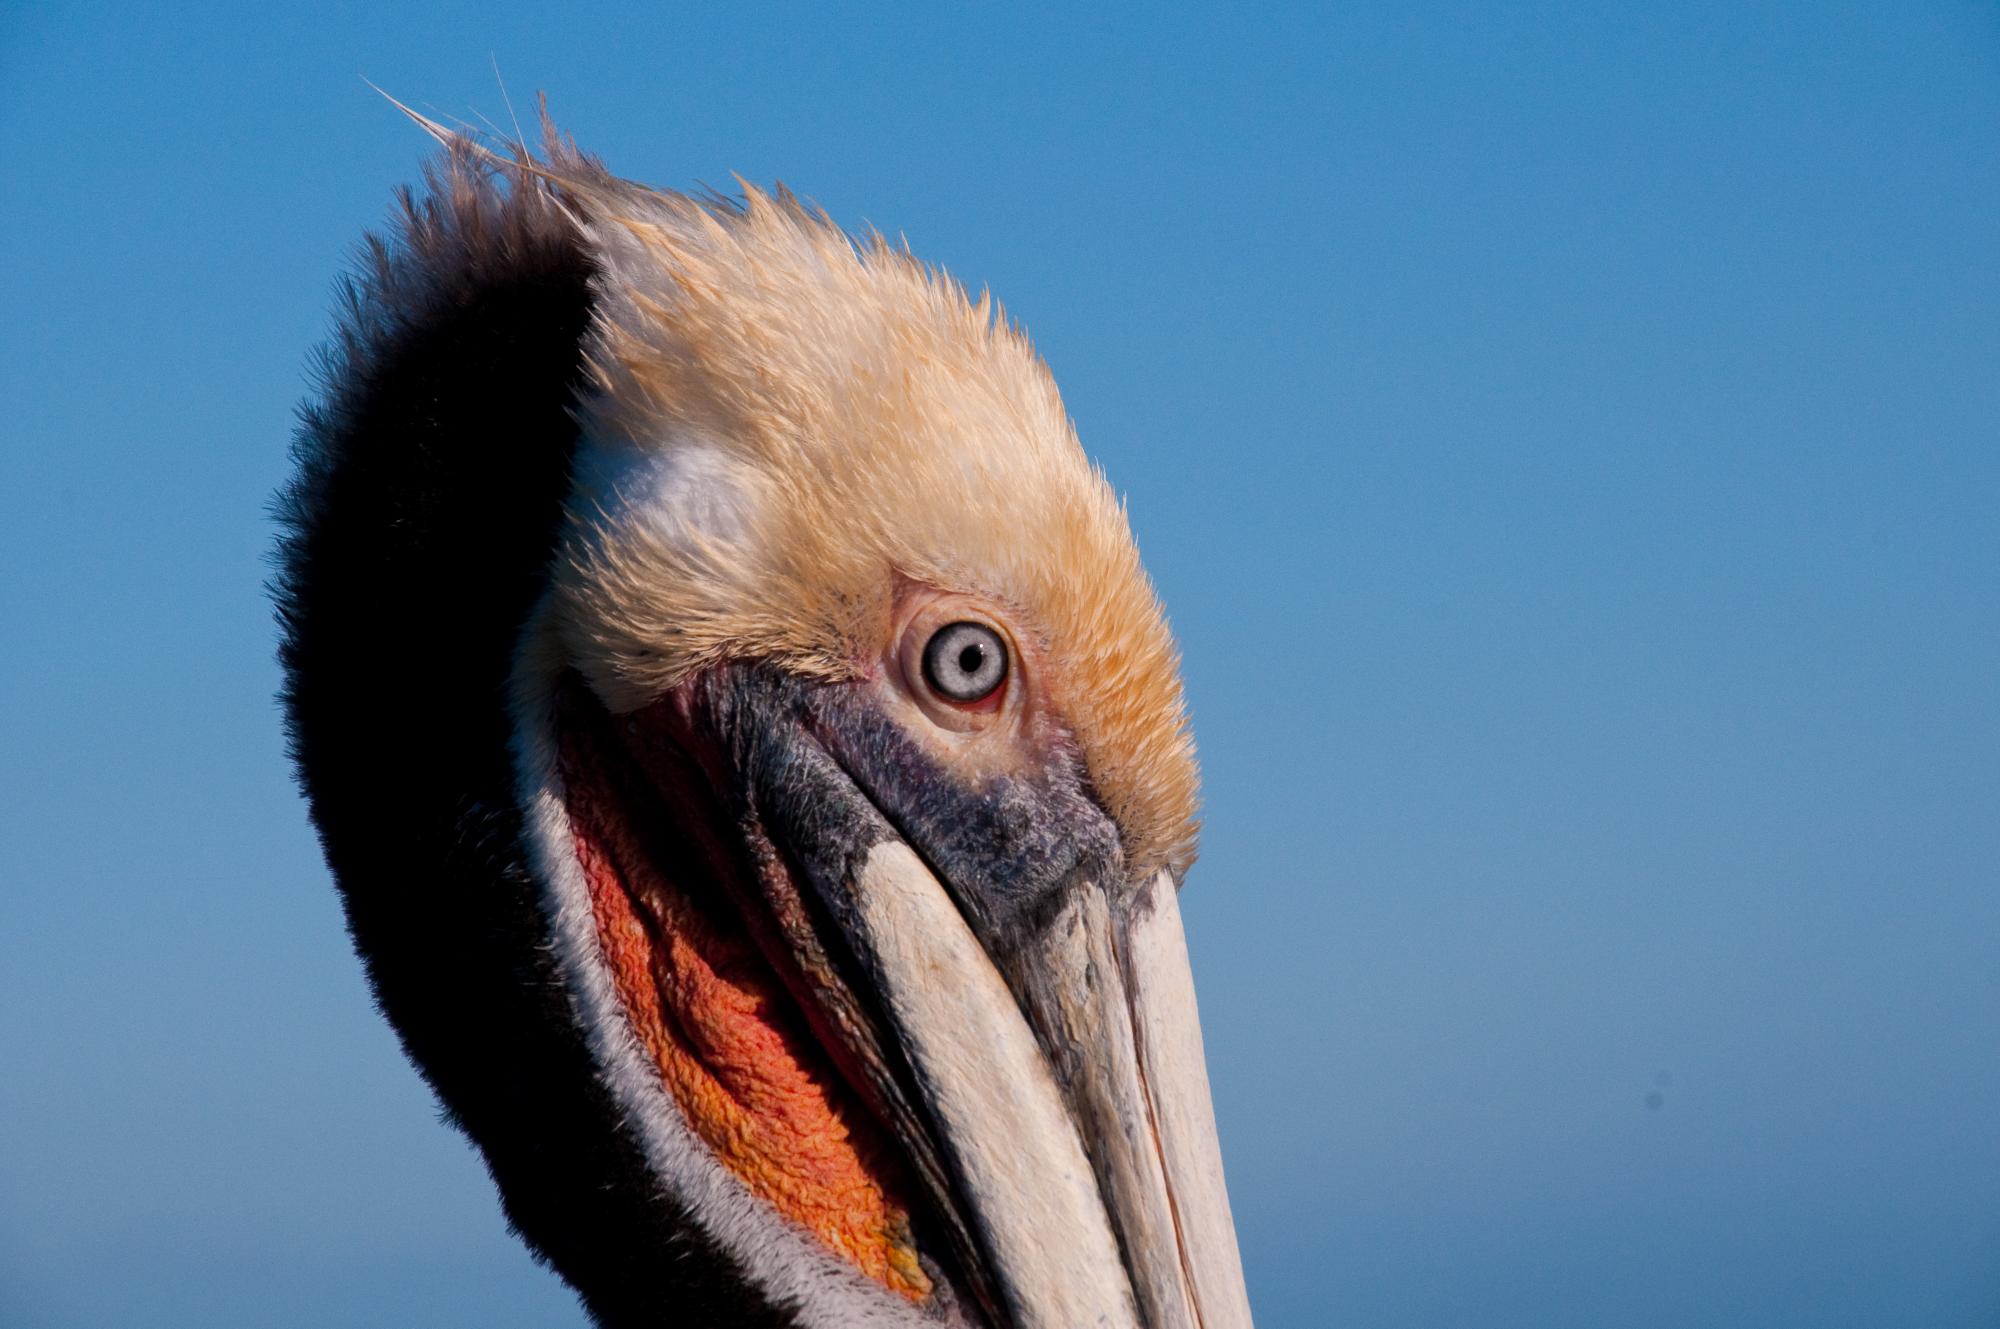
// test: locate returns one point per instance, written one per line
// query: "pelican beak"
(1014, 1007)
(1070, 1081)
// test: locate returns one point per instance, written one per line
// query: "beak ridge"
(1108, 989)
(1167, 1026)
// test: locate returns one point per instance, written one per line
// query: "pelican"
(753, 761)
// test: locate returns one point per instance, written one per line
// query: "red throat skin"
(727, 1040)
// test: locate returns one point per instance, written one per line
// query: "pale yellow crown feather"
(785, 421)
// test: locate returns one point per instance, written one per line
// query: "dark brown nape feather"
(417, 532)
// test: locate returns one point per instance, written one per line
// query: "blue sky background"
(1567, 439)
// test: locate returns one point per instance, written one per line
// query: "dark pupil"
(971, 657)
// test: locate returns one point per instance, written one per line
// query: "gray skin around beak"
(1007, 997)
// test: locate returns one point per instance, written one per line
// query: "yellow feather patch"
(786, 421)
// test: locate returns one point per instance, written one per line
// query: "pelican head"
(754, 764)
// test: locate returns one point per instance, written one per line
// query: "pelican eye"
(965, 662)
